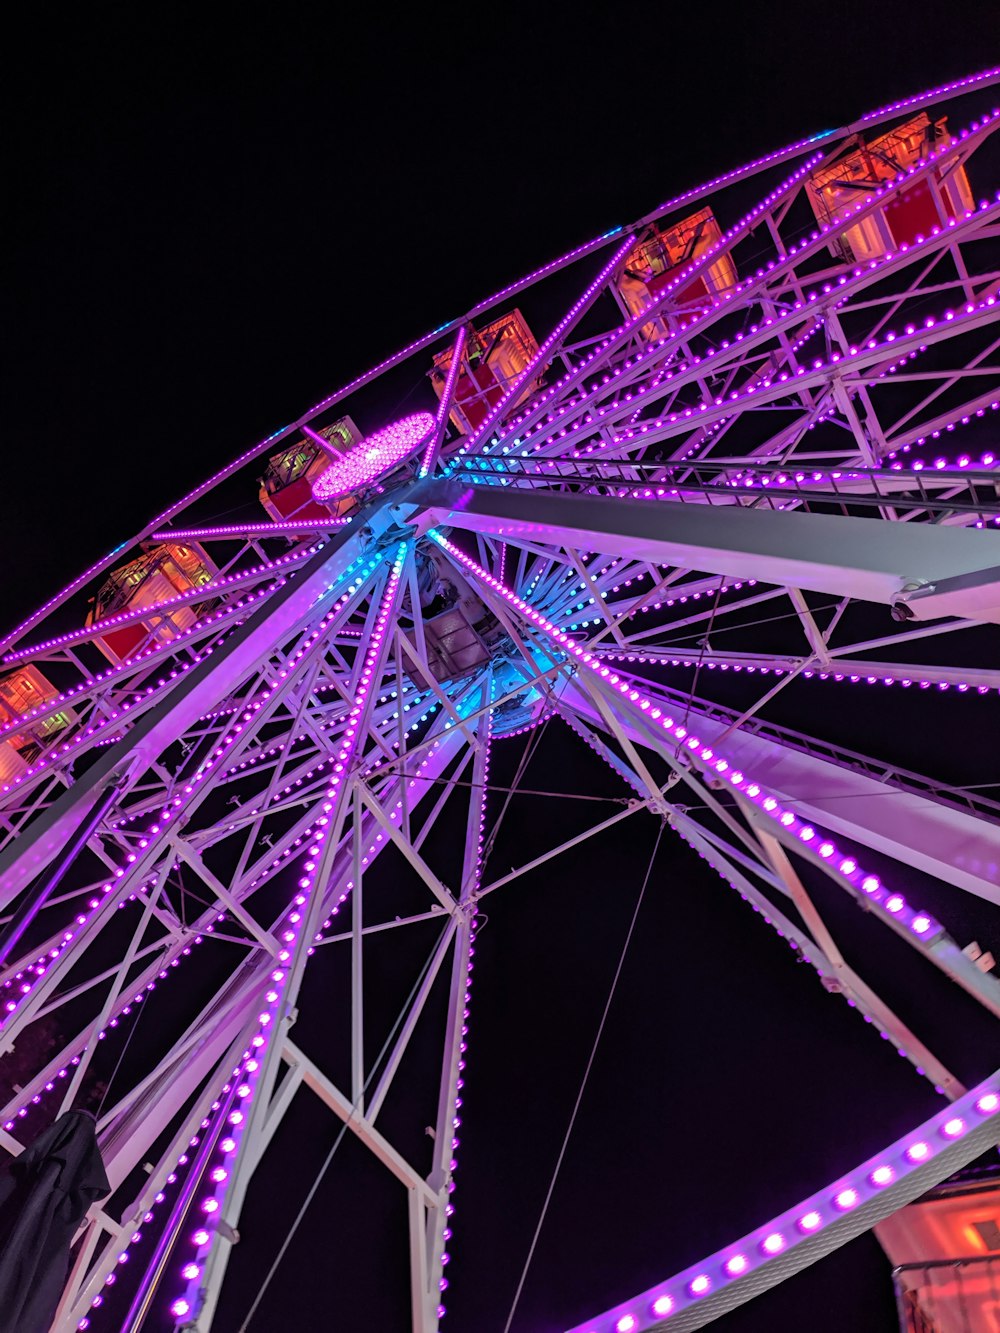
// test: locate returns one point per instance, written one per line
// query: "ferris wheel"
(774, 393)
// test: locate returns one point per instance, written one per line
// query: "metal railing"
(949, 1295)
(842, 491)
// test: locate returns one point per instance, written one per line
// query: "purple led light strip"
(170, 811)
(444, 406)
(142, 696)
(292, 525)
(139, 698)
(240, 1091)
(687, 373)
(885, 675)
(224, 1108)
(728, 239)
(818, 1223)
(780, 385)
(626, 330)
(982, 79)
(123, 1010)
(469, 895)
(703, 262)
(799, 942)
(132, 664)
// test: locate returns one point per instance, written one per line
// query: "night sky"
(209, 226)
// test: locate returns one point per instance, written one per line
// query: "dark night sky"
(209, 226)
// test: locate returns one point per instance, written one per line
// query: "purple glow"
(737, 1264)
(931, 675)
(988, 1103)
(921, 924)
(373, 456)
(290, 525)
(454, 370)
(895, 904)
(882, 1175)
(917, 1152)
(700, 1284)
(663, 1305)
(626, 1324)
(773, 1244)
(809, 1221)
(954, 1127)
(846, 1199)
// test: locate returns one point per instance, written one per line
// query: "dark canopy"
(44, 1195)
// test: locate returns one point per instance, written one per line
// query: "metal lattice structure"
(742, 409)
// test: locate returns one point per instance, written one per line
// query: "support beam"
(845, 556)
(951, 844)
(316, 1081)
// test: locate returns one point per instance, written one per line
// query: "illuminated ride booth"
(494, 356)
(938, 197)
(22, 692)
(945, 1252)
(286, 488)
(161, 574)
(656, 264)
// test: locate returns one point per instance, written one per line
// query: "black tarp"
(44, 1195)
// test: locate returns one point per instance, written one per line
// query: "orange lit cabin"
(161, 572)
(21, 692)
(945, 1253)
(656, 263)
(286, 486)
(494, 356)
(911, 212)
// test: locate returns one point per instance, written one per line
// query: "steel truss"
(689, 477)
